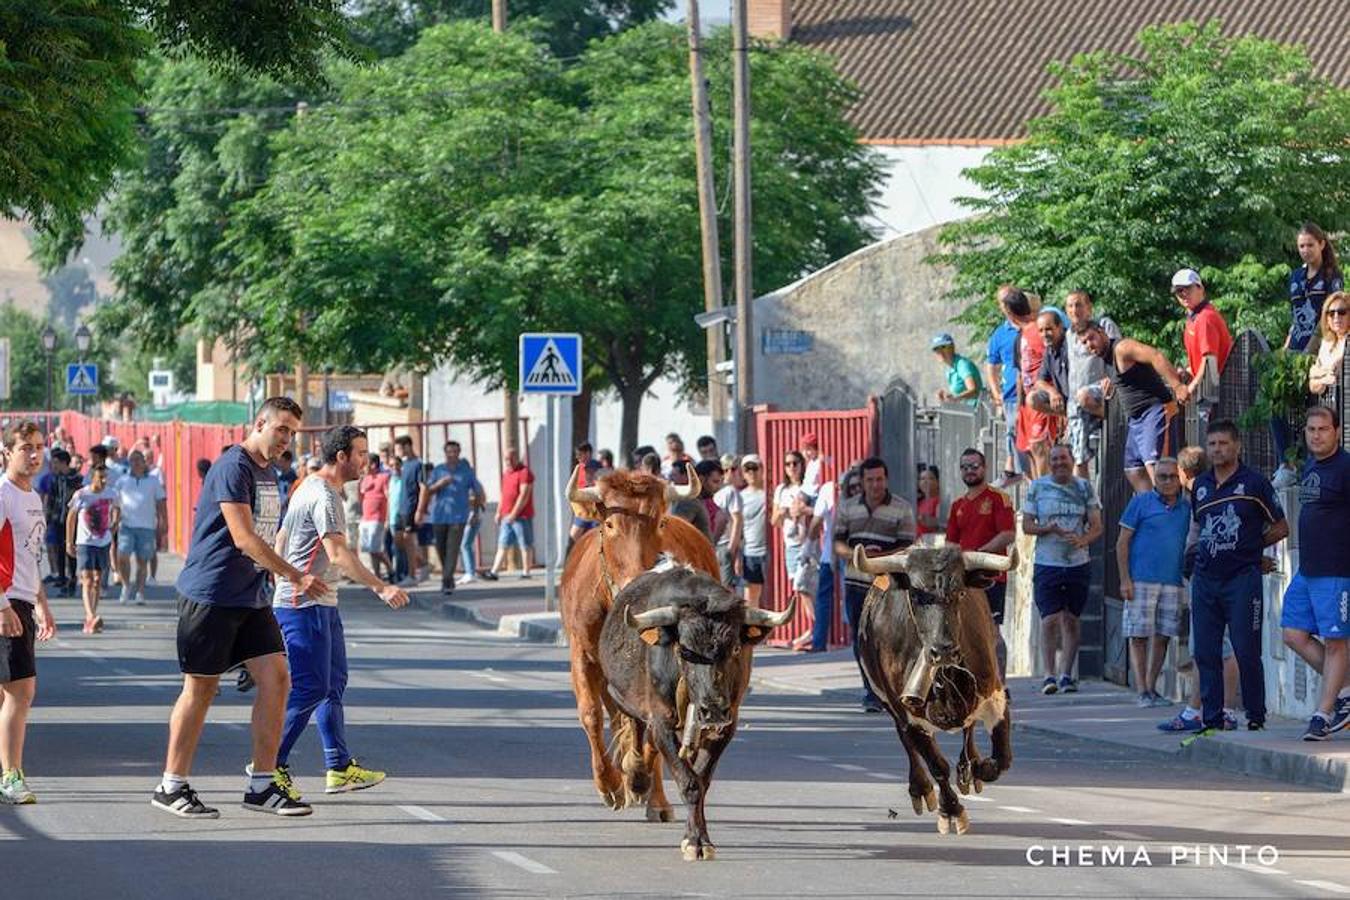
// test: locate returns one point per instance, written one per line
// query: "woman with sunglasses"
(1325, 373)
(792, 513)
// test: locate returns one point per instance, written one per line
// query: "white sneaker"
(123, 594)
(140, 598)
(14, 790)
(524, 573)
(466, 578)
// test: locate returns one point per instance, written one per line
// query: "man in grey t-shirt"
(1087, 371)
(313, 538)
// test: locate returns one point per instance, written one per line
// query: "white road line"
(1264, 870)
(848, 767)
(887, 775)
(235, 726)
(811, 758)
(488, 676)
(1126, 835)
(118, 670)
(1068, 821)
(975, 798)
(523, 862)
(1325, 886)
(426, 815)
(1022, 809)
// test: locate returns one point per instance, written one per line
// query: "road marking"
(975, 798)
(1264, 870)
(118, 670)
(426, 815)
(523, 862)
(1325, 886)
(1020, 809)
(1068, 821)
(812, 758)
(1126, 835)
(886, 775)
(488, 676)
(848, 767)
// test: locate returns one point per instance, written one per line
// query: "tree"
(473, 188)
(71, 290)
(28, 361)
(1204, 151)
(68, 86)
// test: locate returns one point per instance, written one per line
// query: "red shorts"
(1036, 427)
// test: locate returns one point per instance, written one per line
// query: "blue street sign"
(82, 378)
(550, 364)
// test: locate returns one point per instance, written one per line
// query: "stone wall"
(870, 317)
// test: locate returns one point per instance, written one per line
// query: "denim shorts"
(91, 559)
(516, 533)
(139, 542)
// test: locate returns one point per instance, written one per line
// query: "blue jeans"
(820, 630)
(468, 547)
(1236, 603)
(854, 595)
(317, 653)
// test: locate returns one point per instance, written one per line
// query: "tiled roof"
(972, 71)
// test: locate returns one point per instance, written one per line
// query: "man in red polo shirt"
(1206, 333)
(983, 520)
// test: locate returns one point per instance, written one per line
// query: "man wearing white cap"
(1206, 335)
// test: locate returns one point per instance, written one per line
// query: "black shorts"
(1058, 588)
(997, 595)
(212, 639)
(18, 655)
(753, 570)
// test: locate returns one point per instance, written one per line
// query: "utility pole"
(707, 209)
(740, 52)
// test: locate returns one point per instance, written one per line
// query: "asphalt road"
(489, 795)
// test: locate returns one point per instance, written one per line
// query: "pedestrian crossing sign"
(550, 364)
(82, 378)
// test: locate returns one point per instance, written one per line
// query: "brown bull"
(634, 532)
(927, 645)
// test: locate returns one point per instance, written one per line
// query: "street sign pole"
(550, 512)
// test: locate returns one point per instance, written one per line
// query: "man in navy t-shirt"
(225, 614)
(1318, 599)
(1238, 516)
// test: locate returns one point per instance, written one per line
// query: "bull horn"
(581, 495)
(879, 565)
(652, 618)
(686, 492)
(989, 562)
(766, 619)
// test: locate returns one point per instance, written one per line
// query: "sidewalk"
(1100, 711)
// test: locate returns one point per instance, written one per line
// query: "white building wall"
(921, 186)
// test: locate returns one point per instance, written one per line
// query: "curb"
(1263, 762)
(535, 628)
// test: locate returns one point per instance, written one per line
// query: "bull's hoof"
(988, 770)
(660, 814)
(931, 799)
(979, 786)
(918, 805)
(615, 799)
(964, 777)
(959, 822)
(693, 852)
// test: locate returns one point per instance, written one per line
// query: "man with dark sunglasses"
(983, 520)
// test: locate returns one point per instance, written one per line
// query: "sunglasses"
(971, 467)
(1337, 312)
(751, 468)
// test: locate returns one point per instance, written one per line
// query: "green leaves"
(1205, 151)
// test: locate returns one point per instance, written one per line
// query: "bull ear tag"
(650, 636)
(753, 631)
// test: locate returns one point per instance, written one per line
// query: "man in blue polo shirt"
(1318, 599)
(1238, 516)
(448, 494)
(1150, 550)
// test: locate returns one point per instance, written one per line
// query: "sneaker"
(277, 800)
(1181, 723)
(523, 575)
(122, 596)
(490, 575)
(1255, 726)
(282, 777)
(1319, 729)
(1229, 721)
(467, 578)
(1341, 718)
(140, 598)
(352, 778)
(1049, 686)
(1144, 701)
(244, 683)
(1068, 685)
(183, 803)
(872, 705)
(13, 789)
(1158, 699)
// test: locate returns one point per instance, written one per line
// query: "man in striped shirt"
(880, 522)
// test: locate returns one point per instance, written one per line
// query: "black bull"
(675, 650)
(927, 643)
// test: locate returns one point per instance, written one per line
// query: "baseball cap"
(730, 461)
(110, 440)
(810, 440)
(1186, 278)
(751, 459)
(942, 339)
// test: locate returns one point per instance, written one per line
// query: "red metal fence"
(845, 436)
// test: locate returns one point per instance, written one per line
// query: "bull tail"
(626, 754)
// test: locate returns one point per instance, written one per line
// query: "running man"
(24, 614)
(225, 617)
(314, 537)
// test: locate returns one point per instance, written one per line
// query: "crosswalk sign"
(550, 364)
(82, 378)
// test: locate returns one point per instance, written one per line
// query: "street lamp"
(82, 339)
(49, 346)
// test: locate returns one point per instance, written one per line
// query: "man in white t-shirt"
(145, 522)
(25, 616)
(313, 538)
(729, 526)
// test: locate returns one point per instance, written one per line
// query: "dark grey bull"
(676, 653)
(927, 643)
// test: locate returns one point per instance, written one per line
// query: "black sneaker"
(1255, 726)
(1319, 729)
(872, 705)
(1049, 686)
(489, 575)
(277, 800)
(183, 802)
(244, 683)
(1068, 685)
(1341, 717)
